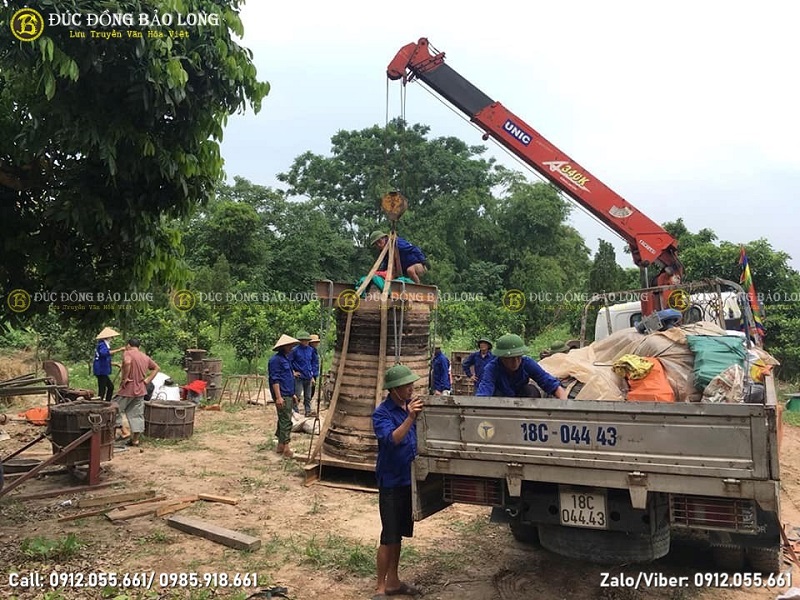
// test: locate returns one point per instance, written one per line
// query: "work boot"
(280, 448)
(288, 452)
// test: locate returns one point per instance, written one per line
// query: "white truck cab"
(703, 307)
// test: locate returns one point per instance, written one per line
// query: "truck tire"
(605, 547)
(766, 560)
(728, 558)
(524, 532)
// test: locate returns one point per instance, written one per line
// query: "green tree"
(103, 146)
(606, 275)
(367, 164)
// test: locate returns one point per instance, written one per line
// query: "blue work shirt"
(496, 381)
(314, 361)
(302, 358)
(279, 370)
(440, 372)
(477, 362)
(409, 255)
(102, 359)
(393, 468)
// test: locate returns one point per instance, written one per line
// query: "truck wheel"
(728, 558)
(605, 547)
(525, 533)
(766, 560)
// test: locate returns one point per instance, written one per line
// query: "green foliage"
(336, 552)
(17, 338)
(42, 548)
(606, 275)
(465, 322)
(103, 146)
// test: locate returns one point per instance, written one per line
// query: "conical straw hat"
(285, 340)
(106, 333)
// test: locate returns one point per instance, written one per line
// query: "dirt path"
(318, 541)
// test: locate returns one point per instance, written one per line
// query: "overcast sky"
(686, 109)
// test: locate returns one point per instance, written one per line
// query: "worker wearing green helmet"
(395, 425)
(509, 374)
(409, 259)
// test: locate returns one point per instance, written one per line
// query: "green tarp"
(713, 354)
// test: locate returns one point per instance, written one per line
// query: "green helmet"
(398, 375)
(375, 236)
(559, 346)
(510, 345)
(303, 335)
(483, 339)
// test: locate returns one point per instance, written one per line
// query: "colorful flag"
(746, 280)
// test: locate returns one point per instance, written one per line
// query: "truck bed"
(704, 449)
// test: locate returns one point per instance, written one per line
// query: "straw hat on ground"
(106, 334)
(285, 340)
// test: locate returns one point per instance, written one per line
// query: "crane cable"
(397, 331)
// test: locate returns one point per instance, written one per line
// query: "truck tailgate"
(707, 440)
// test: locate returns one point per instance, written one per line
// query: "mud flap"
(427, 496)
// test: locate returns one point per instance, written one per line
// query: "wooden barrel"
(214, 388)
(196, 353)
(211, 365)
(350, 436)
(169, 420)
(71, 420)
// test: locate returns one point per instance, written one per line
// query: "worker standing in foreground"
(281, 385)
(409, 259)
(509, 374)
(476, 362)
(395, 426)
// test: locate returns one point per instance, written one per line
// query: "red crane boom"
(653, 249)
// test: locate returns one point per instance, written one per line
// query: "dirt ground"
(318, 541)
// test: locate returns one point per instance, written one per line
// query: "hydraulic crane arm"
(654, 250)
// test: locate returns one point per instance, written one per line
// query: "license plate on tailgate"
(583, 507)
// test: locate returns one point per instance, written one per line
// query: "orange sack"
(653, 387)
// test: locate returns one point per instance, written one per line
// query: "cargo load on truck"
(684, 357)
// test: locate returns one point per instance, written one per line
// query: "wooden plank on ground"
(86, 513)
(213, 498)
(171, 508)
(61, 491)
(215, 533)
(115, 498)
(142, 509)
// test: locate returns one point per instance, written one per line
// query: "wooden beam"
(227, 537)
(171, 508)
(222, 499)
(384, 318)
(117, 498)
(87, 513)
(336, 387)
(62, 491)
(368, 279)
(142, 509)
